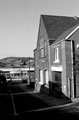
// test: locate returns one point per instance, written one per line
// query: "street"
(13, 104)
(18, 104)
(26, 106)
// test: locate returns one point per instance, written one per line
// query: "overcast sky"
(19, 23)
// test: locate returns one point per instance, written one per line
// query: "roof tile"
(57, 25)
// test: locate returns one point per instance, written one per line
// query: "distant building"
(18, 74)
(58, 39)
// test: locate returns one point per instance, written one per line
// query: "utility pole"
(29, 69)
(15, 113)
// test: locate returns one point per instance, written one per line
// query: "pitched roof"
(57, 25)
(66, 33)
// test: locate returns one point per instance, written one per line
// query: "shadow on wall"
(53, 90)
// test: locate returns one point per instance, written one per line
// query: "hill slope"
(17, 62)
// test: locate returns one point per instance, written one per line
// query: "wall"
(64, 65)
(55, 66)
(41, 63)
(75, 37)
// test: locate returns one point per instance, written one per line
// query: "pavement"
(54, 102)
(56, 110)
(40, 104)
(50, 99)
(67, 105)
(16, 103)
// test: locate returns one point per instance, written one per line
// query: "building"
(18, 74)
(57, 43)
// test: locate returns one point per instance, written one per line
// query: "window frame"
(46, 77)
(40, 76)
(45, 46)
(56, 52)
(42, 52)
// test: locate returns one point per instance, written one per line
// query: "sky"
(19, 23)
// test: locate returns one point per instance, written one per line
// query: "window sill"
(42, 57)
(47, 85)
(56, 61)
(41, 83)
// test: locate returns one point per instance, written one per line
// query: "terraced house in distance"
(57, 44)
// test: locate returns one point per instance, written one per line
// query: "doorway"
(69, 87)
(58, 80)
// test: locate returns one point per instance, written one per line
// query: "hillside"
(16, 62)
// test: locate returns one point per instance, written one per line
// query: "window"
(46, 77)
(77, 46)
(41, 76)
(41, 48)
(45, 48)
(41, 42)
(42, 52)
(56, 54)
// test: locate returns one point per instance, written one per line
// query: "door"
(69, 87)
(58, 81)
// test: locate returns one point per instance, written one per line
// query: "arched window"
(41, 76)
